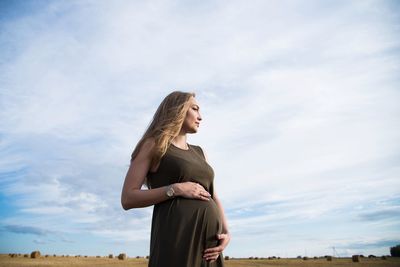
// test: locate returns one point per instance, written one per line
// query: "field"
(20, 261)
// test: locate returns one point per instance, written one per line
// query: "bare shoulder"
(149, 143)
(147, 146)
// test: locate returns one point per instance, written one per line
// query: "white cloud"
(299, 105)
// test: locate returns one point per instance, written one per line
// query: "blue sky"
(300, 120)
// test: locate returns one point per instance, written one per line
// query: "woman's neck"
(180, 141)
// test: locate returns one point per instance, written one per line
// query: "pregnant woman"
(189, 228)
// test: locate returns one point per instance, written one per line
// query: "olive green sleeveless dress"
(183, 228)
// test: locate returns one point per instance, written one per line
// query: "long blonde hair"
(165, 125)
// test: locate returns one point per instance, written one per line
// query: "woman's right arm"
(133, 197)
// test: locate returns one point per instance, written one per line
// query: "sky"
(300, 108)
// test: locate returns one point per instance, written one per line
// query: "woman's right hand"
(191, 190)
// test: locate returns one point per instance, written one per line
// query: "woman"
(189, 228)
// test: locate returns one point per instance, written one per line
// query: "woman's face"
(193, 118)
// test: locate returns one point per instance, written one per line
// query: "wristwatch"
(170, 191)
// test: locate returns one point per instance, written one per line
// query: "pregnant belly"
(202, 218)
(186, 208)
(181, 230)
(197, 220)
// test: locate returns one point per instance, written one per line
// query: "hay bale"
(329, 258)
(355, 258)
(305, 258)
(35, 254)
(13, 255)
(26, 255)
(122, 256)
(98, 257)
(110, 256)
(384, 258)
(46, 256)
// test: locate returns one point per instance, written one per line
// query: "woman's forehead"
(193, 101)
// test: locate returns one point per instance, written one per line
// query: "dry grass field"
(21, 261)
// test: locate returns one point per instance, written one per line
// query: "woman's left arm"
(223, 218)
(212, 254)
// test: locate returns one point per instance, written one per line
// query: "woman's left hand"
(212, 254)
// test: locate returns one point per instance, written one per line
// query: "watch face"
(170, 192)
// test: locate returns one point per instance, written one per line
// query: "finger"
(205, 194)
(211, 255)
(204, 198)
(214, 249)
(207, 254)
(214, 259)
